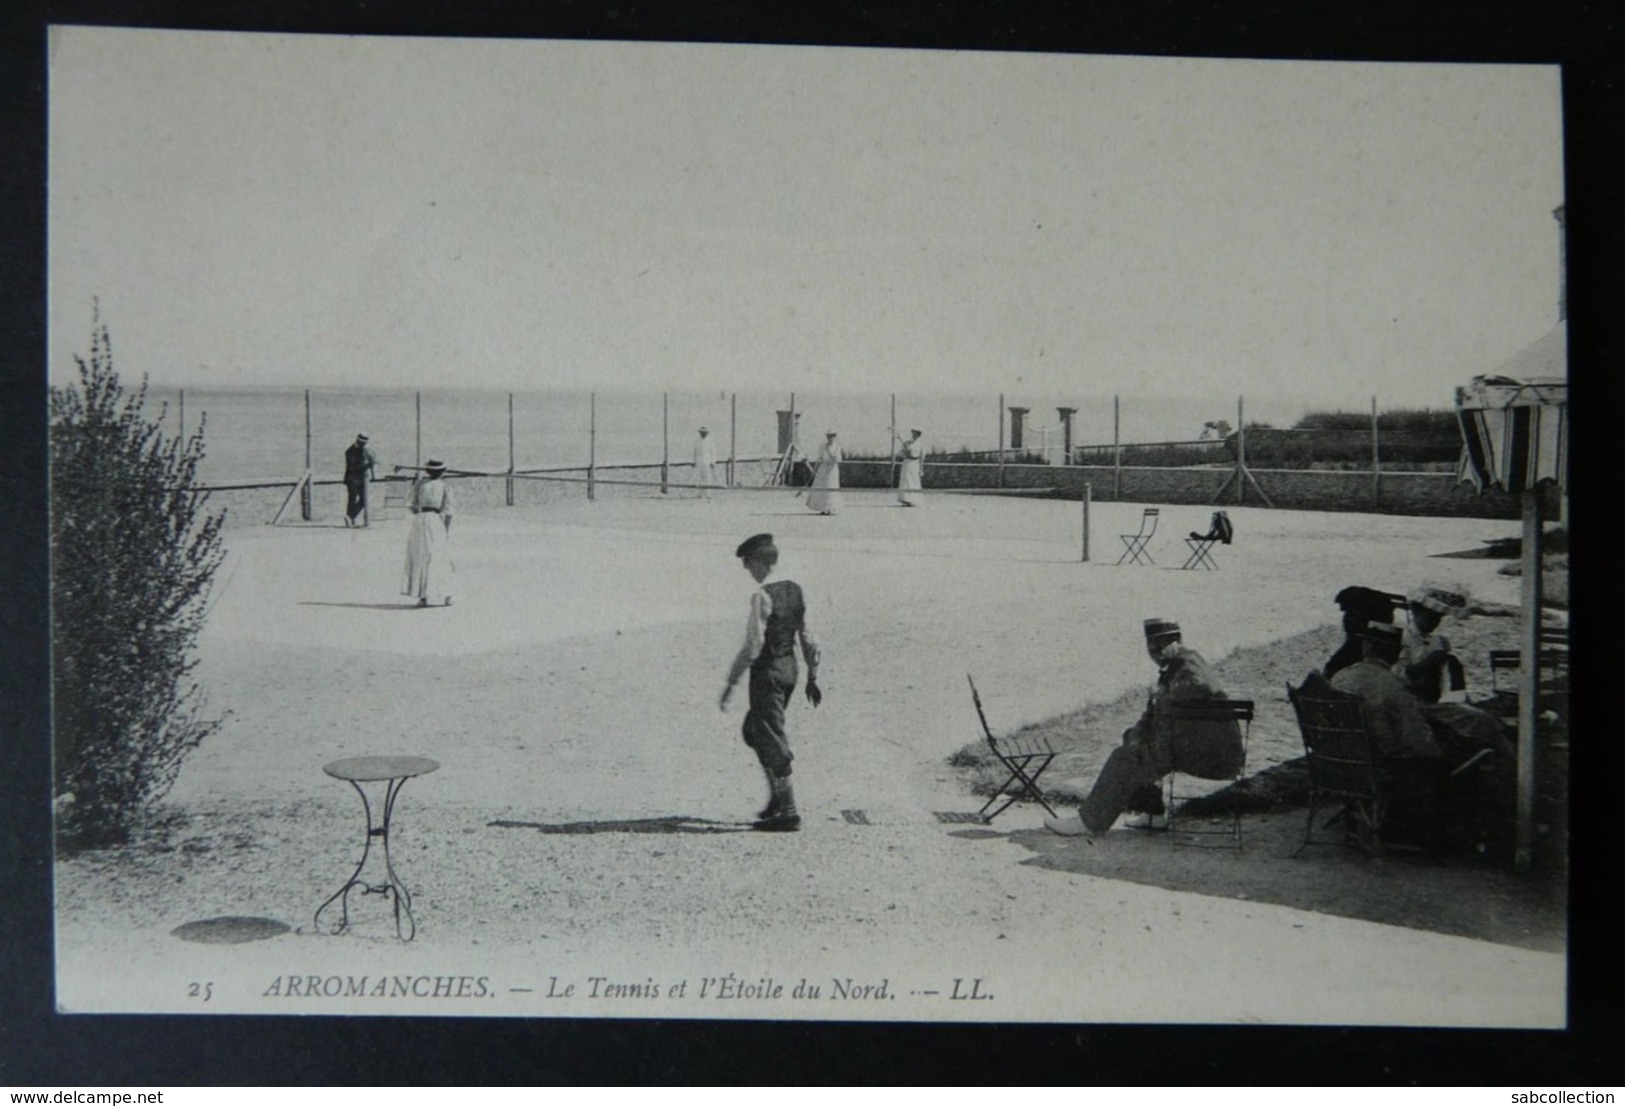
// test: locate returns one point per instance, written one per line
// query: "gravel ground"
(589, 818)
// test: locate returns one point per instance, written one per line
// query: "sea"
(260, 434)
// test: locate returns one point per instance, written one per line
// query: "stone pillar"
(1018, 422)
(1066, 414)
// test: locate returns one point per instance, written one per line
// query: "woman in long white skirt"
(825, 496)
(428, 560)
(908, 479)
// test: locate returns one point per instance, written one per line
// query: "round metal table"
(392, 772)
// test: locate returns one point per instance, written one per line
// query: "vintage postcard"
(637, 530)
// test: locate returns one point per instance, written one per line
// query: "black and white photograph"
(576, 529)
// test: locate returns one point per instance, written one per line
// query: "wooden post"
(417, 446)
(1000, 482)
(183, 415)
(1117, 453)
(1376, 458)
(894, 439)
(1241, 452)
(1528, 679)
(510, 449)
(304, 494)
(733, 435)
(665, 443)
(592, 445)
(1088, 491)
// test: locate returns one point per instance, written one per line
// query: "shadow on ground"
(1459, 896)
(671, 823)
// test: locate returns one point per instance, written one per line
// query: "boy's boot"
(772, 806)
(784, 819)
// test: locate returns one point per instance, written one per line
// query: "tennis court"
(589, 814)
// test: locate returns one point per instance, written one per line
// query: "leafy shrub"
(132, 557)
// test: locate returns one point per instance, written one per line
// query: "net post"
(509, 481)
(1087, 494)
(304, 490)
(592, 445)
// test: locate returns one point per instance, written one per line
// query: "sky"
(289, 210)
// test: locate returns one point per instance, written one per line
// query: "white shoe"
(1067, 827)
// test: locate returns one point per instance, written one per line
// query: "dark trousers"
(772, 682)
(357, 497)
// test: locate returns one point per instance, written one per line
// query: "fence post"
(592, 444)
(510, 449)
(304, 494)
(1000, 482)
(1376, 458)
(894, 439)
(733, 434)
(1088, 490)
(1117, 452)
(665, 443)
(1241, 452)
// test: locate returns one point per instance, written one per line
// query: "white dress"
(705, 464)
(908, 479)
(428, 559)
(825, 496)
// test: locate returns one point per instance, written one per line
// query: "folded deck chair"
(1024, 760)
(1219, 532)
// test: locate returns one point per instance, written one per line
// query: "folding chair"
(1343, 765)
(1024, 759)
(1136, 551)
(1238, 711)
(1346, 766)
(1554, 657)
(1219, 532)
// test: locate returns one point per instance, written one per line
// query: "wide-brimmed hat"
(1381, 634)
(705, 430)
(757, 545)
(362, 438)
(1156, 629)
(1437, 600)
(434, 466)
(829, 433)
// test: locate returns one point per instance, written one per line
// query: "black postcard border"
(46, 1050)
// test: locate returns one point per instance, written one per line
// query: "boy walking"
(778, 618)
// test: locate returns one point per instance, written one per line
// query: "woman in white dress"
(908, 480)
(428, 560)
(825, 496)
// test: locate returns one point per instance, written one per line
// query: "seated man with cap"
(1361, 607)
(1395, 717)
(778, 620)
(1158, 744)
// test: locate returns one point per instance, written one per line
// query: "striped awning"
(1515, 431)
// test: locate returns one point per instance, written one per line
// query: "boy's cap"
(1157, 628)
(756, 545)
